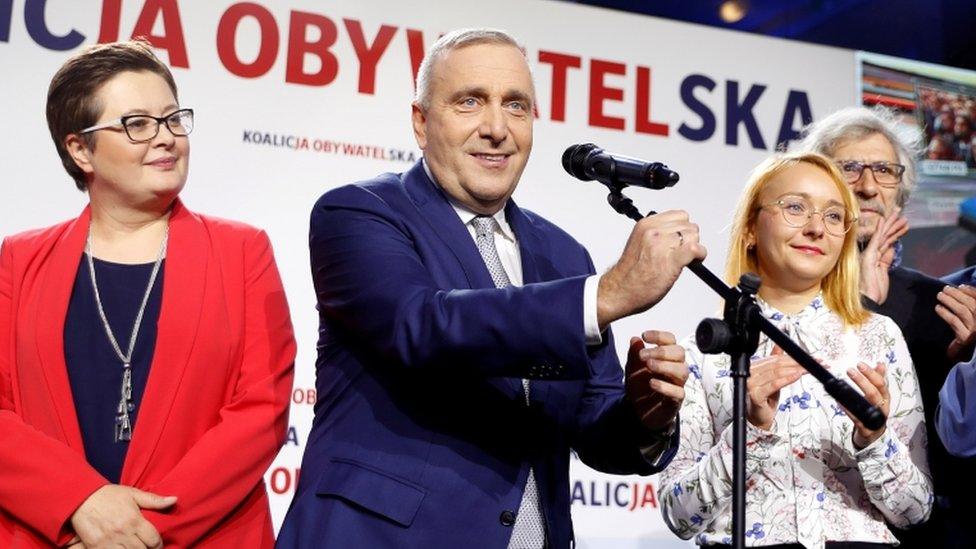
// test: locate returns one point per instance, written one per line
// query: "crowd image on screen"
(949, 119)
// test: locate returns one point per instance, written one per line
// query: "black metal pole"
(740, 374)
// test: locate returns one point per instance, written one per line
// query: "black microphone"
(588, 162)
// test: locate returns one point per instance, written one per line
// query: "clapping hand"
(656, 378)
(874, 384)
(767, 376)
(957, 306)
(877, 256)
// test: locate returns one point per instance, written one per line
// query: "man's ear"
(419, 118)
(79, 151)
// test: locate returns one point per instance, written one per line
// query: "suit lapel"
(184, 281)
(54, 296)
(440, 215)
(446, 225)
(531, 246)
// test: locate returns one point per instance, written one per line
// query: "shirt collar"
(899, 250)
(467, 215)
(810, 311)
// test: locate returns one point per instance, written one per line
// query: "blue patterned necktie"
(529, 530)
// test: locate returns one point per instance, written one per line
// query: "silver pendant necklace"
(123, 425)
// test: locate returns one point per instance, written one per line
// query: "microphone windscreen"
(574, 157)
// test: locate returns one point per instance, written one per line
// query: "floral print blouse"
(805, 482)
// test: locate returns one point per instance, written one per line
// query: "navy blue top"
(94, 370)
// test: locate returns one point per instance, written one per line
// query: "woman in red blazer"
(146, 351)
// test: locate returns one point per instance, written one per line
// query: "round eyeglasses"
(142, 127)
(798, 211)
(886, 174)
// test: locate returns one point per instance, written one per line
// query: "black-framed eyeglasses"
(798, 211)
(142, 127)
(887, 174)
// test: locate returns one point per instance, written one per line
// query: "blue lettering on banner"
(796, 103)
(300, 143)
(707, 128)
(38, 31)
(741, 113)
(292, 437)
(616, 494)
(6, 17)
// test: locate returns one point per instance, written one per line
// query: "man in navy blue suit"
(464, 346)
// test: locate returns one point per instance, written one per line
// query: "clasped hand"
(112, 517)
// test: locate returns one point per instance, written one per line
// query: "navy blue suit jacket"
(421, 436)
(965, 276)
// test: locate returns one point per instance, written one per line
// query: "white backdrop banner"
(294, 97)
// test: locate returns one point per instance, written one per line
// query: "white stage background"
(294, 97)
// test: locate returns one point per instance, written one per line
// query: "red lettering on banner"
(561, 63)
(599, 96)
(283, 479)
(172, 38)
(299, 46)
(644, 123)
(600, 93)
(227, 35)
(369, 56)
(648, 498)
(111, 19)
(415, 46)
(304, 396)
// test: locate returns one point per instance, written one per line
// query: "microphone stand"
(737, 334)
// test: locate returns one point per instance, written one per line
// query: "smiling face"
(796, 258)
(128, 173)
(875, 201)
(477, 132)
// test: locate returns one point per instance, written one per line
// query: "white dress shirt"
(508, 251)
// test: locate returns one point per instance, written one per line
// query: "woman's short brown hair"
(71, 102)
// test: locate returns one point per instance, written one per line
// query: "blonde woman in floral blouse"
(814, 477)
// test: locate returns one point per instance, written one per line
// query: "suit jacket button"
(507, 518)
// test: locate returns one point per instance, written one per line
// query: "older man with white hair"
(877, 155)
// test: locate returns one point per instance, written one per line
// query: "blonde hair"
(840, 286)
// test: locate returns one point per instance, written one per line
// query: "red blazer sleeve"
(229, 461)
(42, 479)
